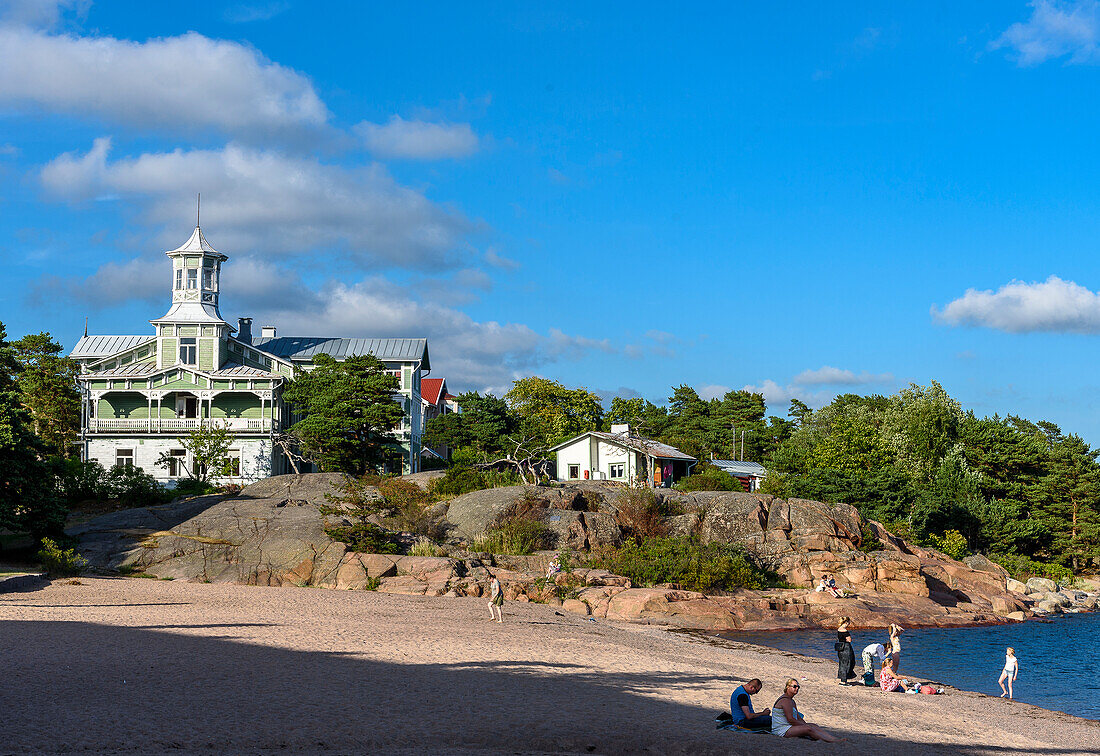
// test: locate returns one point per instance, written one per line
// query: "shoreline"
(158, 665)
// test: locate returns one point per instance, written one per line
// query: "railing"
(174, 424)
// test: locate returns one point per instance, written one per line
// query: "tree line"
(916, 460)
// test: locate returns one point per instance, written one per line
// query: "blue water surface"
(1059, 663)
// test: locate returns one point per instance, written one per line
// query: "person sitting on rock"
(742, 711)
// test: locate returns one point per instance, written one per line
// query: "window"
(618, 471)
(187, 406)
(177, 459)
(179, 278)
(208, 278)
(234, 463)
(192, 278)
(188, 351)
(124, 457)
(574, 472)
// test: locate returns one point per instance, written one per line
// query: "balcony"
(174, 424)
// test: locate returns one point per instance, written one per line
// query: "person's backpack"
(869, 679)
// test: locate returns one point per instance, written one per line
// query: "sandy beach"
(146, 666)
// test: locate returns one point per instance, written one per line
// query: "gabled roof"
(646, 446)
(196, 244)
(740, 467)
(430, 389)
(304, 348)
(92, 347)
(146, 369)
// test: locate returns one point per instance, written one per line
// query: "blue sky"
(789, 197)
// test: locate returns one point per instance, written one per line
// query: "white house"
(140, 393)
(621, 456)
(751, 474)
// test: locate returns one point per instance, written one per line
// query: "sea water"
(1059, 658)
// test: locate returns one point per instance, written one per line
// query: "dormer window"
(188, 351)
(192, 278)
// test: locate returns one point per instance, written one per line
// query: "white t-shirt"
(876, 649)
(1011, 664)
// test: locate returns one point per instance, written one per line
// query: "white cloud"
(115, 282)
(1051, 306)
(259, 202)
(712, 391)
(497, 260)
(183, 84)
(1054, 30)
(418, 140)
(469, 353)
(831, 376)
(777, 397)
(38, 13)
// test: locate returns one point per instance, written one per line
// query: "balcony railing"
(173, 424)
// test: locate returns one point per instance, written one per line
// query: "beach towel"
(725, 721)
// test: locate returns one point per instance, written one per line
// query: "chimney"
(620, 429)
(267, 332)
(244, 330)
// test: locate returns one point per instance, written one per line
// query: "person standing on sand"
(1012, 667)
(844, 652)
(788, 723)
(496, 601)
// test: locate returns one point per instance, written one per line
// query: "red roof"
(430, 388)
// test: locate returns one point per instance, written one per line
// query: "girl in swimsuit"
(1008, 674)
(788, 723)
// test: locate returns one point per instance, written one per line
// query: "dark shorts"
(756, 723)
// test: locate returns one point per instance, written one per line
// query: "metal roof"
(233, 370)
(136, 370)
(304, 348)
(740, 467)
(646, 446)
(90, 347)
(430, 389)
(196, 244)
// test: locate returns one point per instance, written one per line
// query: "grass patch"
(513, 536)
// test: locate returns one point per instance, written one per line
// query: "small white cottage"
(750, 474)
(621, 456)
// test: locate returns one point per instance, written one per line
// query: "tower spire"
(198, 207)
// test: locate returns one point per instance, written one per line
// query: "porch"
(180, 411)
(174, 424)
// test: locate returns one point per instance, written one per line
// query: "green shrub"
(710, 479)
(60, 562)
(868, 539)
(372, 583)
(514, 536)
(88, 481)
(1022, 568)
(639, 513)
(357, 500)
(410, 509)
(953, 543)
(459, 480)
(685, 561)
(193, 487)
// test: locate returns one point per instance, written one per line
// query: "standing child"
(1008, 674)
(496, 600)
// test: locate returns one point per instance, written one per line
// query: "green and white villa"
(142, 393)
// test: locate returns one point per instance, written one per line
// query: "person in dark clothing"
(742, 711)
(846, 655)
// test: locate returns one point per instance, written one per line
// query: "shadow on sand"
(71, 686)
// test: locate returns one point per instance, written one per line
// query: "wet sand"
(145, 666)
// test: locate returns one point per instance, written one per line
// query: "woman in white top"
(788, 723)
(1008, 674)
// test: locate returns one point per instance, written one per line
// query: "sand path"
(145, 666)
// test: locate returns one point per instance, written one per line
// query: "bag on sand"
(928, 689)
(869, 679)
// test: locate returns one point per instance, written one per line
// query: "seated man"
(742, 711)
